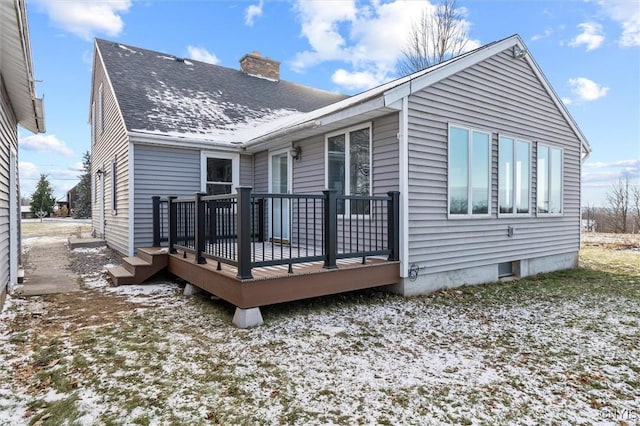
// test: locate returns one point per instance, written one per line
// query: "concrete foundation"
(190, 290)
(427, 283)
(245, 318)
(85, 243)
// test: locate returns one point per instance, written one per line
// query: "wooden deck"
(274, 284)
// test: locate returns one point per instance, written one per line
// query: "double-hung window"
(514, 159)
(469, 172)
(549, 179)
(349, 167)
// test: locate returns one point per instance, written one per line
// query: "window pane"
(359, 152)
(219, 170)
(480, 177)
(522, 177)
(336, 166)
(542, 179)
(458, 170)
(555, 179)
(218, 189)
(505, 179)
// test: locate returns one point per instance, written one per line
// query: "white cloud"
(357, 80)
(87, 18)
(45, 143)
(367, 36)
(28, 170)
(591, 36)
(604, 174)
(545, 34)
(253, 11)
(566, 101)
(587, 90)
(201, 54)
(627, 14)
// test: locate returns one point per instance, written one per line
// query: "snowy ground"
(561, 348)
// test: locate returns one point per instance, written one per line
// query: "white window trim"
(531, 208)
(93, 123)
(551, 146)
(235, 168)
(470, 170)
(100, 115)
(114, 192)
(347, 160)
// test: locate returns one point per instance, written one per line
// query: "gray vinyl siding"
(8, 139)
(502, 96)
(261, 172)
(111, 144)
(246, 170)
(160, 171)
(309, 170)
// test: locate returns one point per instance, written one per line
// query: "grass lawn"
(560, 348)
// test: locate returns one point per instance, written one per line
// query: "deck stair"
(139, 268)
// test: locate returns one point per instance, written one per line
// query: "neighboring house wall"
(8, 140)
(246, 170)
(502, 96)
(160, 171)
(111, 144)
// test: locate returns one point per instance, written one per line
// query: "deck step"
(137, 269)
(121, 276)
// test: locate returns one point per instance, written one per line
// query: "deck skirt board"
(274, 284)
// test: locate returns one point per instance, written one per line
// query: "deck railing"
(249, 230)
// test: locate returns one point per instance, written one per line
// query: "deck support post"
(244, 233)
(393, 225)
(172, 218)
(199, 237)
(330, 228)
(155, 213)
(245, 318)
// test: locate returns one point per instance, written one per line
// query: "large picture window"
(349, 167)
(514, 159)
(549, 179)
(469, 171)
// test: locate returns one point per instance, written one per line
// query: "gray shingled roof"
(159, 94)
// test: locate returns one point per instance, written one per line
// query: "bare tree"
(618, 200)
(636, 204)
(436, 35)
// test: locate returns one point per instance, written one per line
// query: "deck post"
(199, 237)
(393, 225)
(330, 228)
(172, 218)
(244, 233)
(155, 213)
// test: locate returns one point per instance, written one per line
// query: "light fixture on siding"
(518, 52)
(295, 152)
(99, 172)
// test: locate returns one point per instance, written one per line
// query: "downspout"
(404, 188)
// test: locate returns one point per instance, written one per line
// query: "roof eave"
(18, 69)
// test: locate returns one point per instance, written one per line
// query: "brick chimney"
(255, 65)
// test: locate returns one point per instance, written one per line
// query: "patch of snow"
(201, 116)
(188, 62)
(166, 57)
(89, 250)
(95, 282)
(128, 49)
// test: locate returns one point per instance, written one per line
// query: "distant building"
(25, 212)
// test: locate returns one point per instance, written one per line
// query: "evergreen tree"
(42, 200)
(83, 202)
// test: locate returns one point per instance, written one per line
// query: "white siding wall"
(109, 145)
(499, 95)
(8, 139)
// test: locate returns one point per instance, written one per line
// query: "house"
(25, 212)
(18, 106)
(484, 155)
